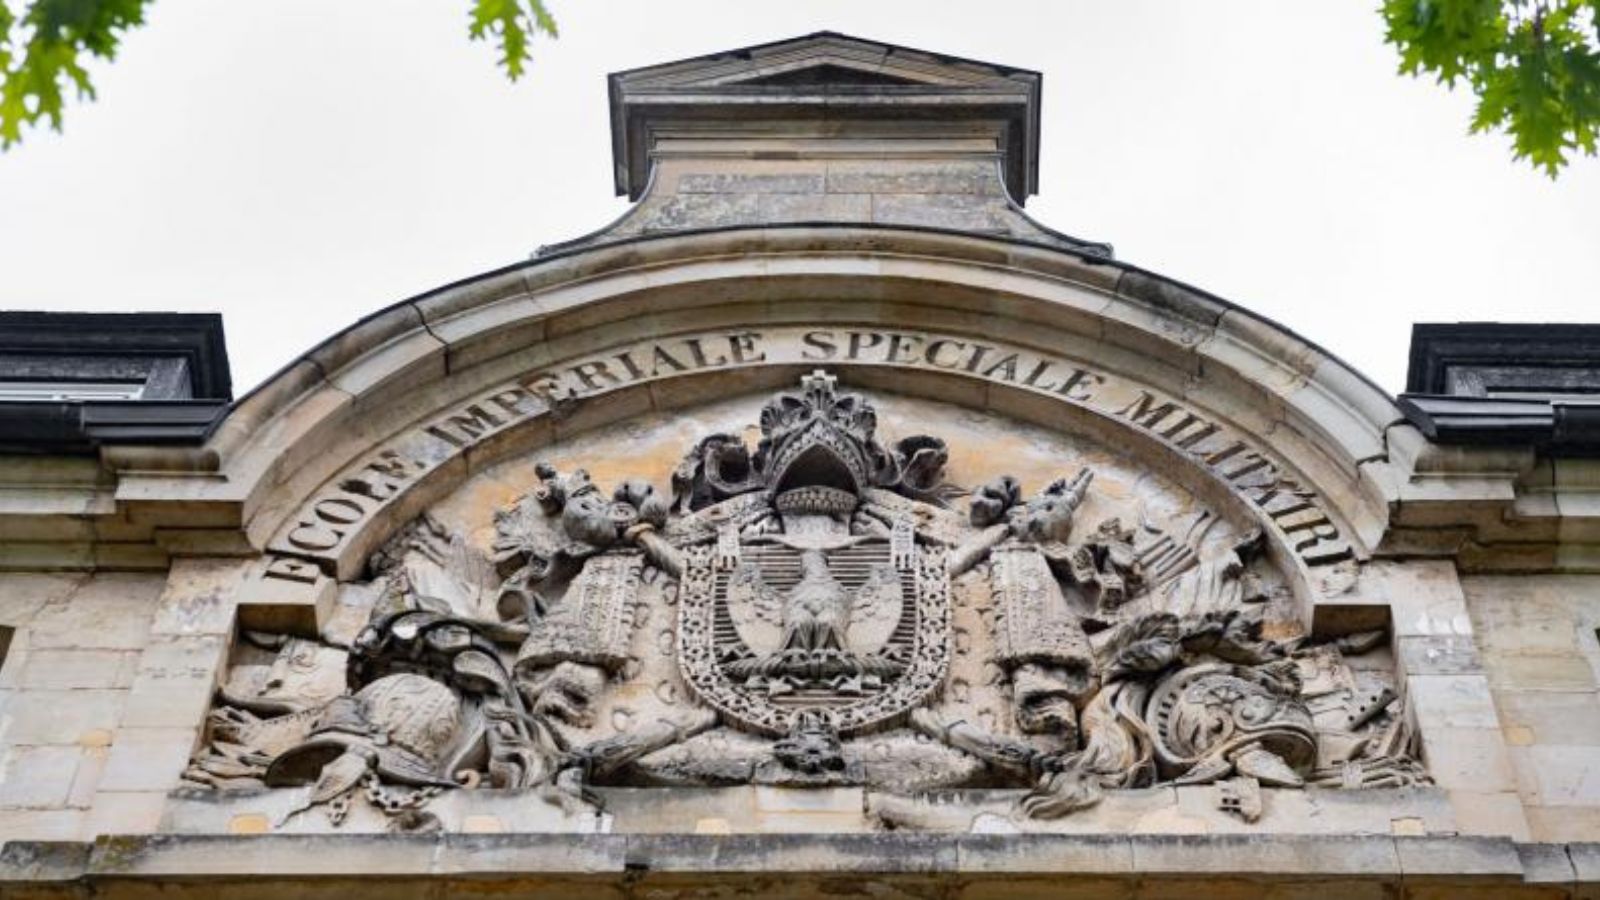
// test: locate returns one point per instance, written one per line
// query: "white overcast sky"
(300, 163)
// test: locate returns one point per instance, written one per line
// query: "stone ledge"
(1290, 856)
(44, 861)
(1547, 864)
(1055, 854)
(791, 853)
(1296, 858)
(1458, 858)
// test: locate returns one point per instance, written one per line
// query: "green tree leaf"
(1534, 65)
(44, 48)
(512, 23)
(40, 55)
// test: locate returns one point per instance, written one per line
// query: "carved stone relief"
(821, 608)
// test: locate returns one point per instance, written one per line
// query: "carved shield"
(885, 617)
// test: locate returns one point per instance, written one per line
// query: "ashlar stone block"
(1463, 858)
(1559, 775)
(60, 717)
(1494, 814)
(1553, 717)
(1223, 855)
(287, 595)
(124, 812)
(1452, 701)
(199, 597)
(110, 611)
(1439, 655)
(38, 777)
(41, 824)
(23, 594)
(175, 682)
(1563, 823)
(147, 759)
(1468, 758)
(66, 669)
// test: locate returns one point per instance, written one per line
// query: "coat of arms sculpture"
(788, 615)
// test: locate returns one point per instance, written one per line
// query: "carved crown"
(818, 437)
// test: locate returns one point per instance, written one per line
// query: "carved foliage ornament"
(820, 609)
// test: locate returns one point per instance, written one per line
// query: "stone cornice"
(405, 363)
(824, 75)
(1111, 865)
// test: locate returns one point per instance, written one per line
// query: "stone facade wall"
(372, 645)
(103, 692)
(1437, 651)
(107, 678)
(959, 194)
(1537, 636)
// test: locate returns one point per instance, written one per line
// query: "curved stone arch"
(339, 529)
(306, 428)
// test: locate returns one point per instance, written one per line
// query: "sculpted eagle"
(817, 633)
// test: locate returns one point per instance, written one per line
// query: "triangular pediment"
(826, 59)
(828, 75)
(851, 82)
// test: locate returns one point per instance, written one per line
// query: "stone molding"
(320, 413)
(870, 80)
(1115, 866)
(481, 331)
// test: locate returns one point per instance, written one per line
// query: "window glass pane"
(70, 390)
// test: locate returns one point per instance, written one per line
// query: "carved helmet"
(405, 726)
(1212, 719)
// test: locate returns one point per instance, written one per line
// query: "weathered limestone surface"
(548, 582)
(65, 683)
(696, 187)
(805, 865)
(1541, 657)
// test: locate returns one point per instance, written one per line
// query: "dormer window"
(72, 382)
(63, 390)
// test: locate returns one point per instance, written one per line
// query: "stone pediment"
(829, 76)
(844, 60)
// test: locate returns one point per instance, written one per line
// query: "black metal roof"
(179, 359)
(1501, 384)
